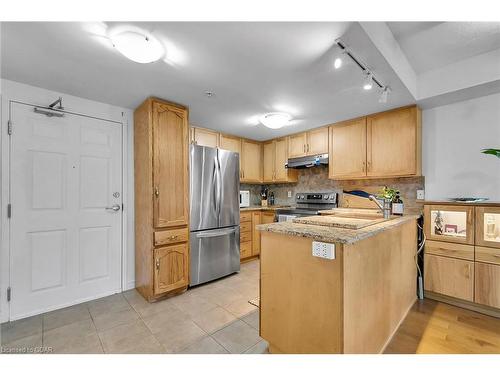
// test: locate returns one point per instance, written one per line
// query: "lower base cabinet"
(249, 235)
(449, 276)
(487, 284)
(171, 268)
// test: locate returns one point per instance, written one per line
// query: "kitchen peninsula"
(352, 303)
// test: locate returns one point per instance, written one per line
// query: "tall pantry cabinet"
(161, 141)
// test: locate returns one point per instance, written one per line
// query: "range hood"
(307, 161)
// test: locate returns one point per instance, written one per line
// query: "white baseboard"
(130, 285)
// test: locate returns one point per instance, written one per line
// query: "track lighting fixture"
(369, 79)
(368, 83)
(384, 94)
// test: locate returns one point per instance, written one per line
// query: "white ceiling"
(253, 68)
(431, 45)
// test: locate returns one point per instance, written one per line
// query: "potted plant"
(491, 151)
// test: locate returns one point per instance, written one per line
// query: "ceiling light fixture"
(368, 83)
(275, 120)
(339, 60)
(138, 46)
(384, 94)
(369, 76)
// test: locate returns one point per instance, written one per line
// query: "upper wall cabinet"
(228, 142)
(313, 142)
(394, 144)
(275, 157)
(387, 144)
(347, 156)
(251, 161)
(204, 137)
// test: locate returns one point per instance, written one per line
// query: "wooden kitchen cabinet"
(275, 158)
(456, 223)
(487, 285)
(251, 162)
(161, 142)
(268, 217)
(386, 144)
(228, 142)
(297, 145)
(256, 220)
(393, 143)
(171, 268)
(449, 276)
(488, 226)
(205, 137)
(313, 142)
(347, 154)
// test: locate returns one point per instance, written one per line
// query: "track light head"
(368, 83)
(384, 94)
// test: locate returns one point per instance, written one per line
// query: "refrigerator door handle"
(218, 233)
(219, 186)
(215, 192)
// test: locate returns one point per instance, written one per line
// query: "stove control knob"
(332, 196)
(325, 196)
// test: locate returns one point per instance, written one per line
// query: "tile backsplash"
(316, 180)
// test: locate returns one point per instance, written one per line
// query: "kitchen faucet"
(385, 207)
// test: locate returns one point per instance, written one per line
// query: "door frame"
(14, 92)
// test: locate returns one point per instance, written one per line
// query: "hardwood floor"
(438, 328)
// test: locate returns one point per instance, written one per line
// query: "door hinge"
(9, 293)
(123, 207)
(9, 127)
(9, 210)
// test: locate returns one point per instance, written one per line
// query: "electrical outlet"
(323, 250)
(421, 195)
(289, 193)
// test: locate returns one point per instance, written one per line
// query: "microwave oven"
(244, 198)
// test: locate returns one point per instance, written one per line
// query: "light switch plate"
(421, 195)
(323, 250)
(289, 193)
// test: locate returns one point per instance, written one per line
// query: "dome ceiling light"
(275, 120)
(369, 79)
(138, 46)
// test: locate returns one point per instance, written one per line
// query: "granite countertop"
(334, 234)
(262, 208)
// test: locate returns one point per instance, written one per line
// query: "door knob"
(115, 207)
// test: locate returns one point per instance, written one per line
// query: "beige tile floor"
(211, 319)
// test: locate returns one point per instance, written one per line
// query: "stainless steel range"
(308, 204)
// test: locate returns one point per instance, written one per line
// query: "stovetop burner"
(308, 204)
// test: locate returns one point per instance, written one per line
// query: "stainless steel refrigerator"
(214, 213)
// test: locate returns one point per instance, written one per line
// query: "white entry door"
(66, 175)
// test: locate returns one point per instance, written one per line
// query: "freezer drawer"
(214, 253)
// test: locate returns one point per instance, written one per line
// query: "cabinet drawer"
(487, 255)
(449, 276)
(448, 249)
(171, 236)
(245, 226)
(245, 236)
(245, 249)
(245, 216)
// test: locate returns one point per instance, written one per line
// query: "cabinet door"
(348, 149)
(256, 220)
(251, 161)
(170, 166)
(205, 137)
(449, 223)
(317, 141)
(488, 226)
(282, 174)
(392, 143)
(171, 268)
(449, 276)
(230, 143)
(487, 285)
(268, 165)
(297, 145)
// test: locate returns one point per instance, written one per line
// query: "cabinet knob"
(173, 237)
(157, 192)
(157, 264)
